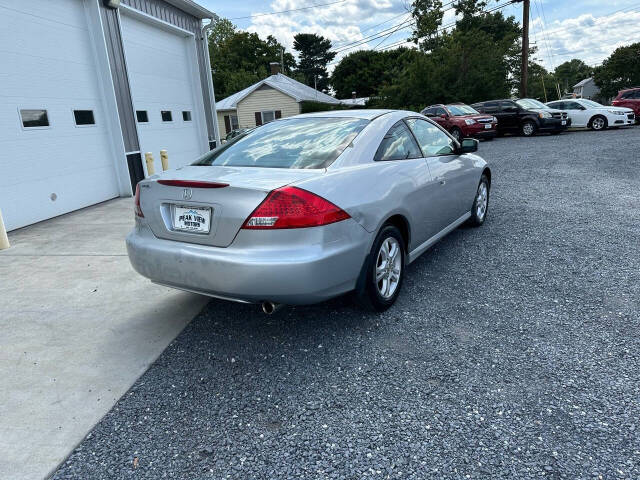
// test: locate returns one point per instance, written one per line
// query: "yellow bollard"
(164, 158)
(4, 240)
(148, 157)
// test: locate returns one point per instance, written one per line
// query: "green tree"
(465, 67)
(314, 53)
(239, 59)
(569, 73)
(621, 70)
(367, 71)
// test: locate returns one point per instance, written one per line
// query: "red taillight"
(192, 184)
(138, 210)
(291, 207)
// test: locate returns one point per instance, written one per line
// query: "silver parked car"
(306, 208)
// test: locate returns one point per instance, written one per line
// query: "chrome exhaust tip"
(270, 308)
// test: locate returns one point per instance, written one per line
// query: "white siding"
(265, 98)
(47, 62)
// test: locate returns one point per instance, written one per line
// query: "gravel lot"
(513, 352)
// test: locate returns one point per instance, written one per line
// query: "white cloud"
(342, 23)
(589, 38)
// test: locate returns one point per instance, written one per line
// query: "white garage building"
(88, 86)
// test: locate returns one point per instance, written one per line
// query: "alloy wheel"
(388, 267)
(528, 129)
(598, 123)
(482, 198)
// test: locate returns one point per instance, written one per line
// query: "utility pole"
(282, 59)
(525, 48)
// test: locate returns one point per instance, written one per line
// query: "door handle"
(442, 182)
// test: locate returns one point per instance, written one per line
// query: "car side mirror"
(468, 145)
(443, 115)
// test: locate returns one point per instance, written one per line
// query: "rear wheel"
(598, 123)
(384, 271)
(480, 205)
(528, 128)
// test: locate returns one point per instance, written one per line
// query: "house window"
(186, 115)
(234, 122)
(34, 118)
(84, 117)
(268, 116)
(166, 115)
(142, 116)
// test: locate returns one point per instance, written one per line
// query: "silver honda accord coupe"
(309, 207)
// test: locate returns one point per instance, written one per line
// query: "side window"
(635, 95)
(571, 106)
(440, 111)
(490, 107)
(429, 112)
(558, 105)
(432, 140)
(398, 144)
(505, 105)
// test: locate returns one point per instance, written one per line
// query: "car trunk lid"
(216, 199)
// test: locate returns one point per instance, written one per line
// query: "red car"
(629, 98)
(463, 121)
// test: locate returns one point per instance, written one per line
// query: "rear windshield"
(460, 110)
(291, 143)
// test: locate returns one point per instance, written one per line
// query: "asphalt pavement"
(512, 352)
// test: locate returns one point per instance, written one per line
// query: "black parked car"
(525, 116)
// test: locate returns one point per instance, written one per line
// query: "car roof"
(367, 114)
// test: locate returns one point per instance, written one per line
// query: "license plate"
(564, 122)
(487, 126)
(191, 219)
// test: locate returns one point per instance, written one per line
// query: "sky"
(561, 29)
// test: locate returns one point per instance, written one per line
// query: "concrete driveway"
(79, 326)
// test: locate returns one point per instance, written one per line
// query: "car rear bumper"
(300, 266)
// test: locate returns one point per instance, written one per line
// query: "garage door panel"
(72, 191)
(162, 78)
(49, 65)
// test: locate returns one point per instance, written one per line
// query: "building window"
(34, 118)
(142, 116)
(234, 122)
(268, 116)
(84, 117)
(166, 116)
(186, 115)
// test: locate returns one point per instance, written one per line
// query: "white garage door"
(165, 88)
(47, 69)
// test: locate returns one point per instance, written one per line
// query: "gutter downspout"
(207, 63)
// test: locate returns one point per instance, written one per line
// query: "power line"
(287, 11)
(444, 27)
(382, 33)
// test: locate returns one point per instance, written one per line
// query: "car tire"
(598, 122)
(457, 134)
(380, 282)
(480, 206)
(528, 128)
